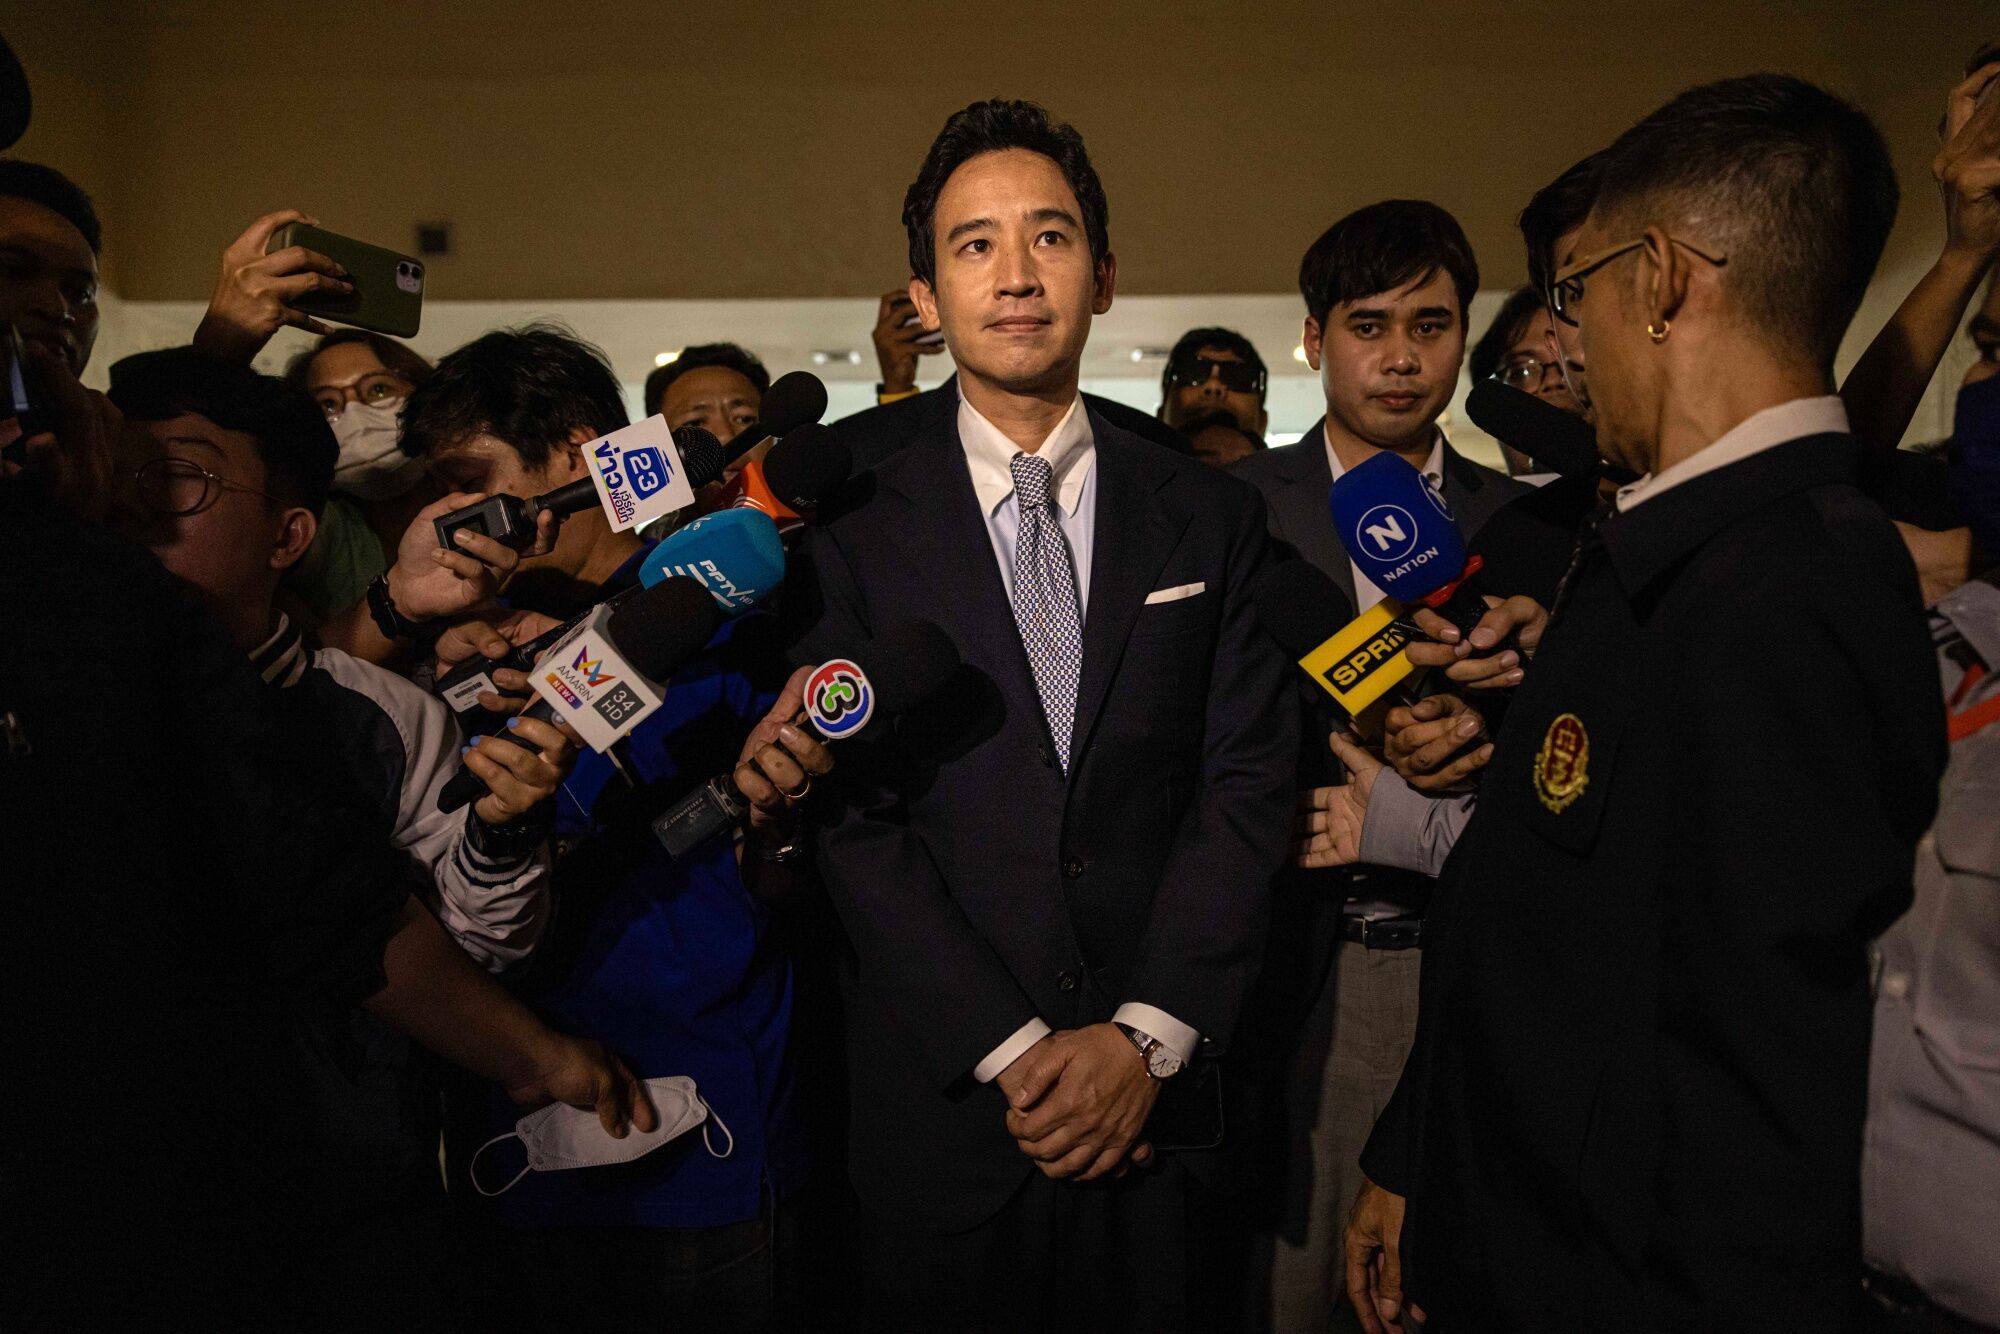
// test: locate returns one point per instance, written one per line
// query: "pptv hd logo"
(839, 698)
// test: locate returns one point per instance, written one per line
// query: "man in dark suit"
(1636, 1096)
(1386, 290)
(1056, 882)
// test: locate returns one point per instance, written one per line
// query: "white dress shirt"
(1753, 435)
(1071, 452)
(1366, 594)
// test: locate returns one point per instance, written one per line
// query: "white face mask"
(371, 465)
(560, 1137)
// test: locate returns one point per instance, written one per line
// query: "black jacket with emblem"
(1637, 1091)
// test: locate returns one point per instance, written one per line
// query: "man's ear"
(296, 529)
(1107, 284)
(924, 297)
(1665, 282)
(1311, 340)
(568, 456)
(1263, 421)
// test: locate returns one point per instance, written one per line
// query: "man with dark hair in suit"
(1386, 291)
(1054, 885)
(1636, 1096)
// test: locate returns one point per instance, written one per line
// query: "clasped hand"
(1077, 1100)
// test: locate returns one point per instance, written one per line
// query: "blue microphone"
(1398, 530)
(736, 554)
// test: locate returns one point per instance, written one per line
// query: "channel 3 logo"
(839, 699)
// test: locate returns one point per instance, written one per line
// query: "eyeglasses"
(1524, 372)
(1238, 376)
(181, 487)
(1566, 287)
(376, 387)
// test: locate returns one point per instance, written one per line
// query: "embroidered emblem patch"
(1562, 766)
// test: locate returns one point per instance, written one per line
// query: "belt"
(1383, 933)
(1902, 1306)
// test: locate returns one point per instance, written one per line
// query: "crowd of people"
(1634, 966)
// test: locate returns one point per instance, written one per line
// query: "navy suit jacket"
(979, 885)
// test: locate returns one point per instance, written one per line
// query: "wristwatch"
(392, 623)
(1160, 1063)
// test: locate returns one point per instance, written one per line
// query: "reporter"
(50, 236)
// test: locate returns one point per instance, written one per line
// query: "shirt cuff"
(1010, 1051)
(1174, 1035)
(887, 396)
(1393, 826)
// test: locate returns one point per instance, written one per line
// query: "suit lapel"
(1134, 535)
(1302, 511)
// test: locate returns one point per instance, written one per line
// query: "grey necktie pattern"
(1046, 607)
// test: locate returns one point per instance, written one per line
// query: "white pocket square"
(1175, 594)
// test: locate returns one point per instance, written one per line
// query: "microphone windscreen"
(879, 678)
(15, 103)
(1396, 527)
(1299, 606)
(793, 400)
(1562, 442)
(659, 628)
(736, 554)
(701, 455)
(807, 465)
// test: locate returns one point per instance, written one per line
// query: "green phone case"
(388, 294)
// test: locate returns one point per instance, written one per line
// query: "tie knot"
(1032, 476)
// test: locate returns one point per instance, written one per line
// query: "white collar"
(1069, 449)
(1433, 466)
(281, 659)
(1794, 420)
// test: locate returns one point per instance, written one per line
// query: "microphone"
(906, 666)
(801, 471)
(1397, 529)
(795, 399)
(600, 676)
(1560, 441)
(1355, 659)
(510, 520)
(735, 554)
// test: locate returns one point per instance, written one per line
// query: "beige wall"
(659, 150)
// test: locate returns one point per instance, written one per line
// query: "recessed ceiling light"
(667, 358)
(827, 356)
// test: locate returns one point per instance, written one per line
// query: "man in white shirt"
(1054, 885)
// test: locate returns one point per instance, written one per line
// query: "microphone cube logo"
(1386, 532)
(839, 699)
(583, 678)
(638, 474)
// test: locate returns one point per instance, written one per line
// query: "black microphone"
(510, 520)
(605, 669)
(905, 666)
(1355, 659)
(804, 468)
(1560, 441)
(795, 399)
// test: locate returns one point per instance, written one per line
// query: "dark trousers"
(1154, 1250)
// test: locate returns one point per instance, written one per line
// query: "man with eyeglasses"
(1214, 370)
(1516, 350)
(1635, 1099)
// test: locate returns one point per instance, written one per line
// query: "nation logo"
(839, 698)
(1562, 765)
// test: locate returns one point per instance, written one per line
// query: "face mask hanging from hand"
(371, 464)
(561, 1137)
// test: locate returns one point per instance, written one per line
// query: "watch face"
(1162, 1063)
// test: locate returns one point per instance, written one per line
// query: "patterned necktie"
(1045, 602)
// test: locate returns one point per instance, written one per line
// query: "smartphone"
(15, 406)
(931, 339)
(388, 295)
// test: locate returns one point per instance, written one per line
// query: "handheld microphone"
(1398, 530)
(510, 520)
(801, 471)
(736, 555)
(795, 399)
(599, 678)
(1355, 659)
(905, 666)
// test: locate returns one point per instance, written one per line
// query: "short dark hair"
(530, 387)
(401, 358)
(294, 442)
(1512, 317)
(732, 355)
(1558, 207)
(990, 127)
(1793, 184)
(1197, 340)
(1383, 247)
(55, 192)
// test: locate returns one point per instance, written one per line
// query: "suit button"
(1072, 868)
(1048, 756)
(1067, 981)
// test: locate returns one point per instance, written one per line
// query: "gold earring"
(1659, 335)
